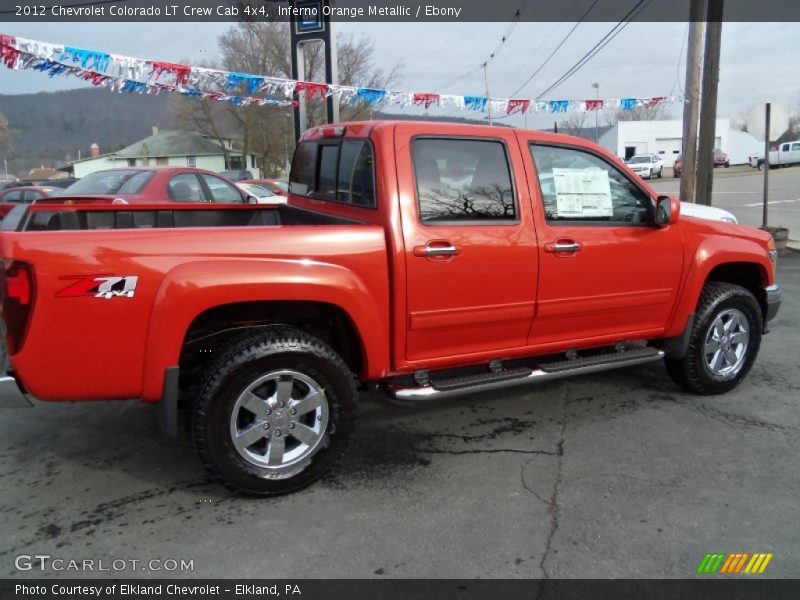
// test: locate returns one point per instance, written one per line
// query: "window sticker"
(582, 193)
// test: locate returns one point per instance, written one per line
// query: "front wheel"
(724, 341)
(274, 413)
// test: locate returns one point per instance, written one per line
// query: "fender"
(712, 251)
(192, 288)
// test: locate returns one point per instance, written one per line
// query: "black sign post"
(310, 25)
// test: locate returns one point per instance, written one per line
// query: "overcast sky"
(759, 60)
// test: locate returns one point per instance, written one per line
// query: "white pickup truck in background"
(787, 154)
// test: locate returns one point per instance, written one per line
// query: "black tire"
(661, 172)
(761, 165)
(691, 371)
(243, 362)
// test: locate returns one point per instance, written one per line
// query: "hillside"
(50, 128)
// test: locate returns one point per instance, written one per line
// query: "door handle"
(562, 246)
(434, 249)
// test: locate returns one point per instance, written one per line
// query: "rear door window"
(463, 180)
(185, 187)
(339, 171)
(221, 191)
(15, 196)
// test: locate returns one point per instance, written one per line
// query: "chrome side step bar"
(546, 373)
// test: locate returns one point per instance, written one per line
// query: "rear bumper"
(773, 296)
(11, 395)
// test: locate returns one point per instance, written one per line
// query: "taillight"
(17, 295)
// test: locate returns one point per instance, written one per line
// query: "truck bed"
(227, 255)
(71, 217)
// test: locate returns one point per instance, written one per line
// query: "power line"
(497, 49)
(604, 41)
(678, 66)
(556, 49)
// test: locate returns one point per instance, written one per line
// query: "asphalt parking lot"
(740, 190)
(619, 474)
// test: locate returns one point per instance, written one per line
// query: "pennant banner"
(143, 76)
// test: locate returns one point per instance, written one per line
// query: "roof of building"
(42, 173)
(171, 143)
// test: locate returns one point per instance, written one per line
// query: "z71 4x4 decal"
(100, 286)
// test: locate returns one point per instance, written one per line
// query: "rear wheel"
(274, 413)
(724, 342)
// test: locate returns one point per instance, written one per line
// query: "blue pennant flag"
(253, 82)
(237, 100)
(627, 103)
(558, 106)
(369, 95)
(134, 86)
(475, 103)
(53, 68)
(88, 59)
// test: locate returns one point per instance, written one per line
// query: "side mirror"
(668, 210)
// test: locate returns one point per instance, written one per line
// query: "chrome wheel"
(725, 347)
(279, 421)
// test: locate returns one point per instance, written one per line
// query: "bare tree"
(264, 48)
(573, 124)
(639, 113)
(5, 136)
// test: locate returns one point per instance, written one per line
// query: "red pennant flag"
(426, 100)
(7, 40)
(8, 55)
(516, 104)
(655, 101)
(312, 89)
(95, 78)
(593, 104)
(181, 72)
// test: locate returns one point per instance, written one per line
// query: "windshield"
(117, 181)
(639, 159)
(283, 185)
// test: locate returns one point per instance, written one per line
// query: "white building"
(168, 148)
(627, 138)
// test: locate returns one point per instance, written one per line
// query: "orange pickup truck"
(421, 259)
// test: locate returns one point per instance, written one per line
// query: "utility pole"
(691, 108)
(708, 105)
(766, 166)
(488, 102)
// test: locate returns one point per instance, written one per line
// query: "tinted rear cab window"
(335, 170)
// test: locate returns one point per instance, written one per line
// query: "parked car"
(701, 211)
(156, 184)
(24, 195)
(7, 185)
(278, 186)
(786, 155)
(380, 274)
(234, 175)
(262, 193)
(647, 166)
(59, 183)
(721, 159)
